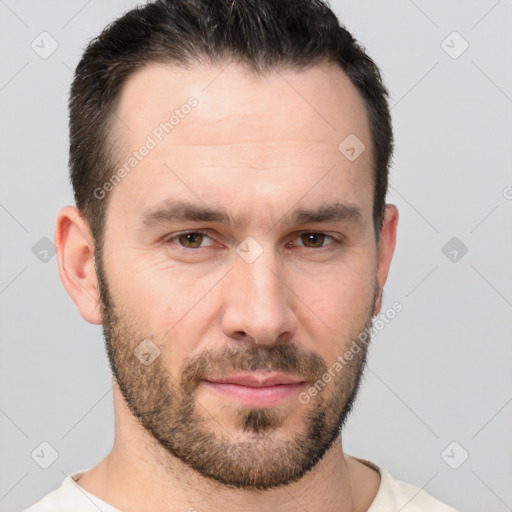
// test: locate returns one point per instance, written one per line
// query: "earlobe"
(378, 303)
(387, 242)
(75, 258)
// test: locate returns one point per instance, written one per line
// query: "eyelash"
(335, 241)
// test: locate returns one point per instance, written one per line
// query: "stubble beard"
(260, 455)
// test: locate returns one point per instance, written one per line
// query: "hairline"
(111, 146)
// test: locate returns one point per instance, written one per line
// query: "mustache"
(279, 357)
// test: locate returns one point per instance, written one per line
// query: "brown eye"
(190, 240)
(313, 239)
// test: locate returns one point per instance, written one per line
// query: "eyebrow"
(338, 212)
(170, 211)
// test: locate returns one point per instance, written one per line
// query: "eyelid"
(337, 239)
(173, 236)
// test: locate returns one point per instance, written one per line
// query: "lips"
(257, 380)
(255, 389)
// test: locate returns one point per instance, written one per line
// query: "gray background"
(439, 372)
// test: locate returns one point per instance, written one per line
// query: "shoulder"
(53, 501)
(394, 494)
(70, 496)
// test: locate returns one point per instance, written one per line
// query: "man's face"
(277, 287)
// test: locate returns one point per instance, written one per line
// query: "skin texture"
(259, 148)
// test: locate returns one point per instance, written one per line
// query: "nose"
(258, 303)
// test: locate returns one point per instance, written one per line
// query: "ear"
(387, 241)
(75, 258)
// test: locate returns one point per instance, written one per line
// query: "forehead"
(280, 105)
(210, 127)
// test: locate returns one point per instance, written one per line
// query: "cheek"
(166, 307)
(341, 295)
(154, 295)
(336, 309)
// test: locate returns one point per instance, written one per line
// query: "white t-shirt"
(393, 496)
